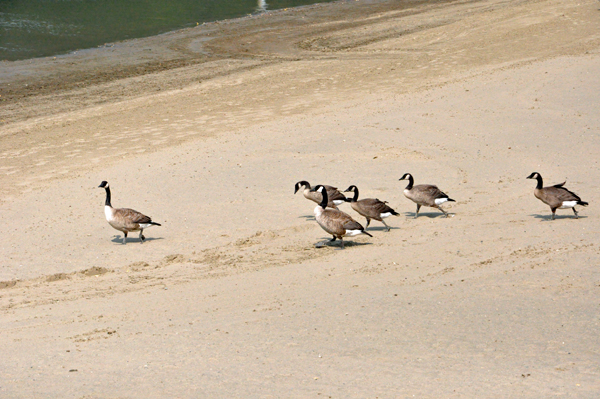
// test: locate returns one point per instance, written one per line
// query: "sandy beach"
(207, 130)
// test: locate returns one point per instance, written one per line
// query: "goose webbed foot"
(142, 238)
(576, 214)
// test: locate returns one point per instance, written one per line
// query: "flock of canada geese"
(340, 224)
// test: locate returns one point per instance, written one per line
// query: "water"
(39, 28)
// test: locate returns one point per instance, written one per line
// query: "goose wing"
(337, 222)
(352, 224)
(334, 194)
(374, 206)
(561, 193)
(347, 222)
(426, 194)
(433, 191)
(131, 218)
(381, 206)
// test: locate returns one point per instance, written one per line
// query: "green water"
(39, 28)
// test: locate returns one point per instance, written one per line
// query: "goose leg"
(368, 221)
(386, 226)
(321, 244)
(443, 211)
(417, 212)
(576, 214)
(124, 237)
(342, 240)
(553, 213)
(142, 238)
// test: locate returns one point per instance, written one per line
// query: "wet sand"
(208, 129)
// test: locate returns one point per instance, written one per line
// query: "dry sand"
(207, 130)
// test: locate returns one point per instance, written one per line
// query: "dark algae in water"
(39, 28)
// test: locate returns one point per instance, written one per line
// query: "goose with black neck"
(335, 222)
(124, 219)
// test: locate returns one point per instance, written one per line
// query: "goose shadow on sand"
(378, 228)
(337, 244)
(548, 217)
(430, 215)
(118, 238)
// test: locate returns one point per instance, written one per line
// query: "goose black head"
(325, 198)
(538, 177)
(405, 176)
(103, 184)
(355, 189)
(299, 184)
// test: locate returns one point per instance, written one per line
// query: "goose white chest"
(108, 213)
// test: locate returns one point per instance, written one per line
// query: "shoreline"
(253, 12)
(164, 52)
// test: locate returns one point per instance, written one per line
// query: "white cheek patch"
(440, 201)
(338, 202)
(352, 233)
(385, 215)
(568, 204)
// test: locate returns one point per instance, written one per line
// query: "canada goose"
(124, 219)
(424, 194)
(334, 195)
(334, 221)
(557, 196)
(371, 208)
